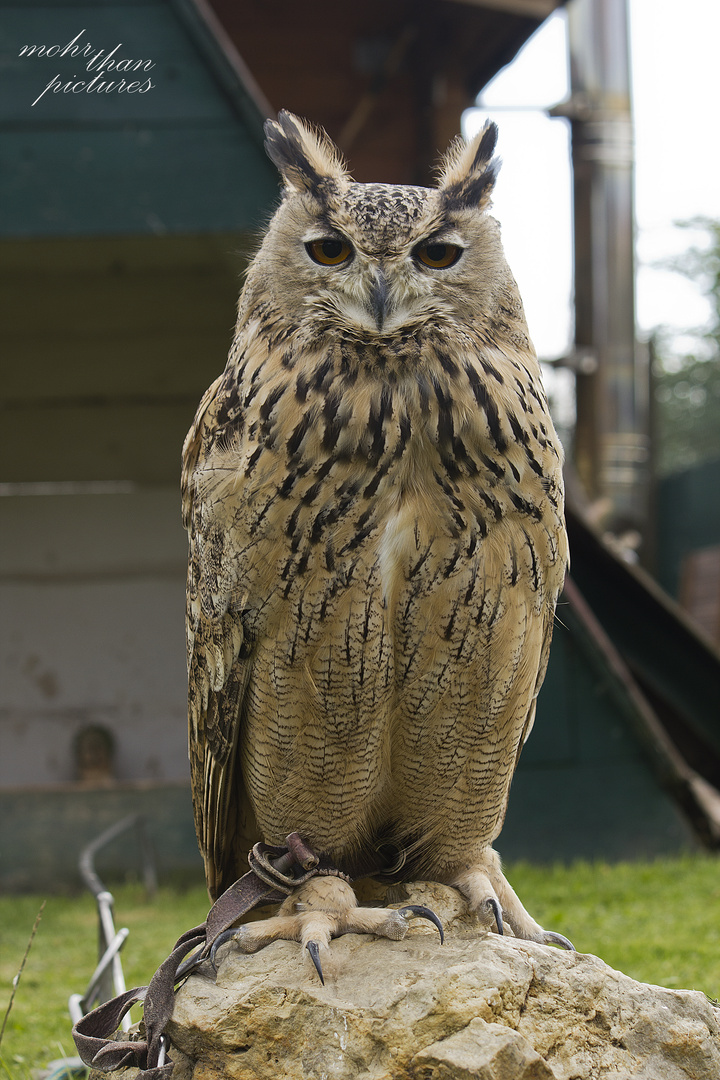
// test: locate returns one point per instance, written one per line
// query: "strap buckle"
(279, 866)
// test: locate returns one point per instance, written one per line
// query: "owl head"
(374, 261)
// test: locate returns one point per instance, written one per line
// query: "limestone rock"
(481, 1050)
(480, 1006)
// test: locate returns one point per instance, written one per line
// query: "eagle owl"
(374, 500)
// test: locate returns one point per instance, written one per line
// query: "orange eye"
(438, 256)
(329, 252)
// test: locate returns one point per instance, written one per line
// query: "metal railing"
(108, 980)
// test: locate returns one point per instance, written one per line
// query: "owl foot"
(489, 894)
(319, 910)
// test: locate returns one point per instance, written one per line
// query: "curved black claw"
(313, 949)
(497, 912)
(551, 938)
(423, 912)
(227, 935)
(188, 966)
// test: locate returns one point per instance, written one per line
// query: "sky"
(676, 94)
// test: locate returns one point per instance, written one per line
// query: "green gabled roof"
(183, 156)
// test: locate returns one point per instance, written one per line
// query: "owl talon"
(486, 889)
(419, 911)
(497, 912)
(551, 938)
(314, 949)
(219, 941)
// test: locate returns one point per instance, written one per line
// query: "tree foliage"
(687, 366)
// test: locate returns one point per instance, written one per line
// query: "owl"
(374, 501)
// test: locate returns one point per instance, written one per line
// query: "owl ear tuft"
(306, 157)
(468, 170)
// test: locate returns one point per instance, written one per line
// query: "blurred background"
(133, 185)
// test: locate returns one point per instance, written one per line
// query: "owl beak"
(379, 299)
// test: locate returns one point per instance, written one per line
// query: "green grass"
(658, 922)
(64, 955)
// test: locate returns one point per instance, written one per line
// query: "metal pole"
(611, 444)
(108, 978)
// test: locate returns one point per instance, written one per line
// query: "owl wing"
(218, 674)
(542, 668)
(525, 639)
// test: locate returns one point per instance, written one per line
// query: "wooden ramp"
(624, 760)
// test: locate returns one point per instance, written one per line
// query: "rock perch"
(481, 1006)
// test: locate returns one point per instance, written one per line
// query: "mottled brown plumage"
(373, 494)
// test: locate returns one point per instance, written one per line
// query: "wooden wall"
(585, 786)
(44, 830)
(688, 518)
(109, 345)
(124, 223)
(184, 156)
(388, 80)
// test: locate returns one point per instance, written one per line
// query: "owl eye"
(438, 256)
(329, 252)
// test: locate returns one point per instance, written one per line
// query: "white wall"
(92, 591)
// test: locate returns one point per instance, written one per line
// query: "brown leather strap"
(245, 894)
(276, 872)
(92, 1034)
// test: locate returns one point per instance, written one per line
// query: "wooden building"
(124, 226)
(125, 221)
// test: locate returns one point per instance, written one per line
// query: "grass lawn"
(658, 922)
(64, 955)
